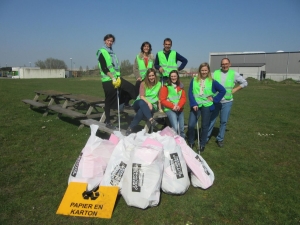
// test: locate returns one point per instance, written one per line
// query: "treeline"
(126, 67)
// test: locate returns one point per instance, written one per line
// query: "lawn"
(256, 173)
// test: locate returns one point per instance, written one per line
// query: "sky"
(35, 30)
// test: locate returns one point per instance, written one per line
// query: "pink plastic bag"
(202, 175)
(90, 165)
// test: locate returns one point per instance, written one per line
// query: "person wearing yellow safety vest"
(147, 101)
(172, 97)
(228, 78)
(203, 93)
(143, 61)
(166, 60)
(111, 81)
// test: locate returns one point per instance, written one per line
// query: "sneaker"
(201, 149)
(110, 126)
(220, 143)
(191, 146)
(153, 123)
(128, 131)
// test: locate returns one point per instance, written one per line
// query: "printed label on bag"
(204, 167)
(176, 165)
(137, 177)
(75, 168)
(117, 173)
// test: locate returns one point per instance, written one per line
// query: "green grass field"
(256, 173)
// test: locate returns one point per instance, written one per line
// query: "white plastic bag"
(202, 176)
(196, 182)
(142, 178)
(175, 176)
(92, 161)
(118, 162)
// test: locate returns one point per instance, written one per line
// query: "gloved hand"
(116, 82)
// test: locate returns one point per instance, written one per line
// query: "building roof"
(247, 64)
(246, 53)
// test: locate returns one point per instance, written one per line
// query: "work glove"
(116, 82)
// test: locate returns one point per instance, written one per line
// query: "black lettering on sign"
(98, 206)
(117, 173)
(81, 205)
(176, 165)
(83, 212)
(75, 167)
(202, 163)
(137, 177)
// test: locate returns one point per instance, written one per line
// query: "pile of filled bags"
(141, 165)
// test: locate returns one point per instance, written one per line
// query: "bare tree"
(51, 63)
(126, 68)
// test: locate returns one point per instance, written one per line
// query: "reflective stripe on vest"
(202, 99)
(142, 66)
(173, 96)
(167, 65)
(151, 94)
(112, 70)
(229, 82)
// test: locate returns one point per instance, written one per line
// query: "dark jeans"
(205, 121)
(126, 91)
(142, 110)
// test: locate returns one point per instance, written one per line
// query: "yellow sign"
(96, 203)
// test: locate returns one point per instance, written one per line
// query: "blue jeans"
(142, 110)
(176, 118)
(224, 110)
(193, 119)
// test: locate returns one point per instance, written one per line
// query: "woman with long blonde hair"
(147, 102)
(203, 93)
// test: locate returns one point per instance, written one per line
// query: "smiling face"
(146, 48)
(204, 72)
(174, 77)
(109, 42)
(225, 64)
(151, 77)
(167, 46)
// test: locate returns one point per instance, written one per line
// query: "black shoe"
(220, 144)
(128, 131)
(191, 146)
(201, 149)
(110, 126)
(153, 123)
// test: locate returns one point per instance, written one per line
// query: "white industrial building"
(277, 66)
(32, 72)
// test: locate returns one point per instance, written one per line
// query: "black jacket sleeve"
(103, 64)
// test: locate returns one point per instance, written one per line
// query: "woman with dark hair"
(143, 61)
(172, 97)
(203, 93)
(147, 101)
(111, 81)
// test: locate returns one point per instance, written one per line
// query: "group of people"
(210, 94)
